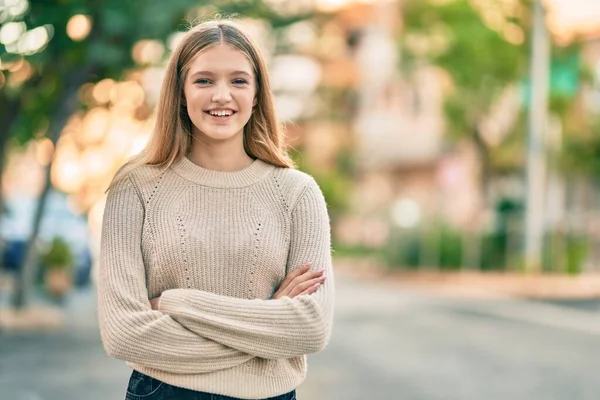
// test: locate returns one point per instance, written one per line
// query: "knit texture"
(215, 246)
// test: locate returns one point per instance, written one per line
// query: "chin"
(219, 134)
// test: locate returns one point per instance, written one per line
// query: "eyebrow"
(212, 74)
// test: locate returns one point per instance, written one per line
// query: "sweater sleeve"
(281, 328)
(130, 329)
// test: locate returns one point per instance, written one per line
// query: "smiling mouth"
(220, 114)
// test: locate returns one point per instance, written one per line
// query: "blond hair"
(172, 136)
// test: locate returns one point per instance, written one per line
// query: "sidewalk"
(478, 284)
(39, 315)
(77, 311)
(65, 362)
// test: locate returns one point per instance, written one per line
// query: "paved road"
(388, 343)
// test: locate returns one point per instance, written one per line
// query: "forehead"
(221, 58)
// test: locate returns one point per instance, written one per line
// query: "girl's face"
(220, 91)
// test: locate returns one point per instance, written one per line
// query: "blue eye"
(240, 82)
(202, 81)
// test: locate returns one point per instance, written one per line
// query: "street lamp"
(538, 118)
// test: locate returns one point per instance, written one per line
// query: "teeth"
(221, 113)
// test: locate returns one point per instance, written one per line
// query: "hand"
(300, 281)
(155, 302)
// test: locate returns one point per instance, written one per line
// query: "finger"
(300, 284)
(295, 273)
(305, 285)
(296, 287)
(306, 277)
(311, 289)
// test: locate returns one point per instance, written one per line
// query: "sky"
(581, 16)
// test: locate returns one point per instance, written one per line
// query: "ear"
(255, 102)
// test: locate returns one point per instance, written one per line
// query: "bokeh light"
(21, 74)
(11, 32)
(102, 90)
(67, 172)
(406, 213)
(79, 27)
(30, 42)
(44, 151)
(127, 94)
(148, 52)
(94, 126)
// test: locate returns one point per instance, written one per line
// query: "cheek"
(249, 100)
(192, 99)
(195, 108)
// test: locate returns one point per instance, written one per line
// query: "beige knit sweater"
(216, 246)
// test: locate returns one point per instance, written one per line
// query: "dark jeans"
(144, 387)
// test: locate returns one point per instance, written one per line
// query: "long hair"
(172, 135)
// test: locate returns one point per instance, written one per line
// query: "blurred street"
(456, 144)
(389, 342)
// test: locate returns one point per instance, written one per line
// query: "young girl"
(215, 270)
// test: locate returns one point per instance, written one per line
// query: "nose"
(221, 93)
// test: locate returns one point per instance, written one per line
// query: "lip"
(220, 119)
(220, 109)
(208, 112)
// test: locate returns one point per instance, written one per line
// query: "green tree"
(484, 50)
(581, 151)
(481, 50)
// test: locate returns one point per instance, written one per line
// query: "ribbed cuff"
(170, 301)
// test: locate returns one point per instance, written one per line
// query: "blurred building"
(405, 174)
(395, 129)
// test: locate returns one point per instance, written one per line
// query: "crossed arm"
(196, 331)
(277, 328)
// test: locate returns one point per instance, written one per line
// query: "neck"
(223, 157)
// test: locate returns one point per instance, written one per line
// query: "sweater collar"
(207, 177)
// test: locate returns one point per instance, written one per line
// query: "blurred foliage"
(415, 248)
(478, 59)
(443, 247)
(105, 53)
(336, 189)
(344, 250)
(481, 63)
(337, 103)
(510, 155)
(579, 147)
(565, 252)
(440, 245)
(567, 74)
(577, 249)
(335, 183)
(58, 255)
(581, 150)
